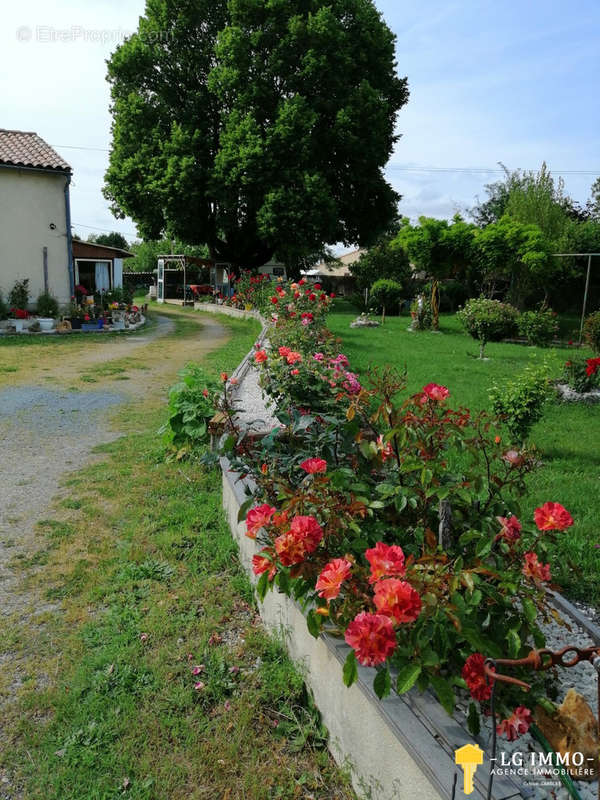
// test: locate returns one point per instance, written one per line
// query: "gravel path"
(47, 432)
(251, 405)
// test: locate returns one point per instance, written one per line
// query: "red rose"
(257, 518)
(260, 356)
(313, 465)
(435, 392)
(387, 561)
(397, 599)
(552, 517)
(331, 578)
(475, 678)
(308, 530)
(516, 725)
(372, 638)
(538, 572)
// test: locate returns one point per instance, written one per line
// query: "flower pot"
(18, 323)
(118, 325)
(46, 323)
(89, 326)
(75, 324)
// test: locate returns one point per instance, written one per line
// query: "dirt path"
(48, 428)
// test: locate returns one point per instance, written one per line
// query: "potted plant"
(47, 311)
(74, 314)
(18, 300)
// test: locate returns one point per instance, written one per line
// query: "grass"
(141, 563)
(568, 437)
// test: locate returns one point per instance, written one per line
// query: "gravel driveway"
(47, 431)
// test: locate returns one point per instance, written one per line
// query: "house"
(97, 267)
(337, 273)
(35, 217)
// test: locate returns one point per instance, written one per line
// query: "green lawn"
(568, 437)
(142, 566)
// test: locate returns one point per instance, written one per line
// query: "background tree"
(515, 259)
(109, 240)
(255, 127)
(440, 249)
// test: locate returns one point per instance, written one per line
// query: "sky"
(513, 82)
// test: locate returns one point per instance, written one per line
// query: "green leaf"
(514, 643)
(484, 547)
(244, 508)
(382, 684)
(350, 669)
(529, 609)
(262, 586)
(313, 621)
(444, 692)
(473, 722)
(407, 677)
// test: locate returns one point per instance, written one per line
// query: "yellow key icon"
(468, 759)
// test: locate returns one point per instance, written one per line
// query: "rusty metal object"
(541, 660)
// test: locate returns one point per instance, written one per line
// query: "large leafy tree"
(255, 127)
(440, 249)
(515, 257)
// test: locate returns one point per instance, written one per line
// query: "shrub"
(582, 374)
(386, 295)
(538, 327)
(520, 403)
(18, 297)
(191, 407)
(591, 331)
(47, 305)
(488, 320)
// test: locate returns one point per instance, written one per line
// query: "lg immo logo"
(468, 759)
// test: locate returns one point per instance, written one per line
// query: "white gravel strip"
(251, 405)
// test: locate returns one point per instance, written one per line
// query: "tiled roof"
(22, 149)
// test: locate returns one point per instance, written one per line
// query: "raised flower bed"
(390, 523)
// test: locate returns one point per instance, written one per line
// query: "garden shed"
(97, 267)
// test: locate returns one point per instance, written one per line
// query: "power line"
(467, 170)
(102, 230)
(399, 167)
(77, 147)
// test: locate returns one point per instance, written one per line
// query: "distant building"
(97, 267)
(35, 216)
(336, 273)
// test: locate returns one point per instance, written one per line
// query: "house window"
(96, 276)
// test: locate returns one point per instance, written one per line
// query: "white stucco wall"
(29, 203)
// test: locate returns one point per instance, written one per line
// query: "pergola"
(176, 263)
(587, 282)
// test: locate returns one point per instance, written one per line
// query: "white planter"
(118, 325)
(46, 323)
(19, 325)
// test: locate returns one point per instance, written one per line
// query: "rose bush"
(393, 520)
